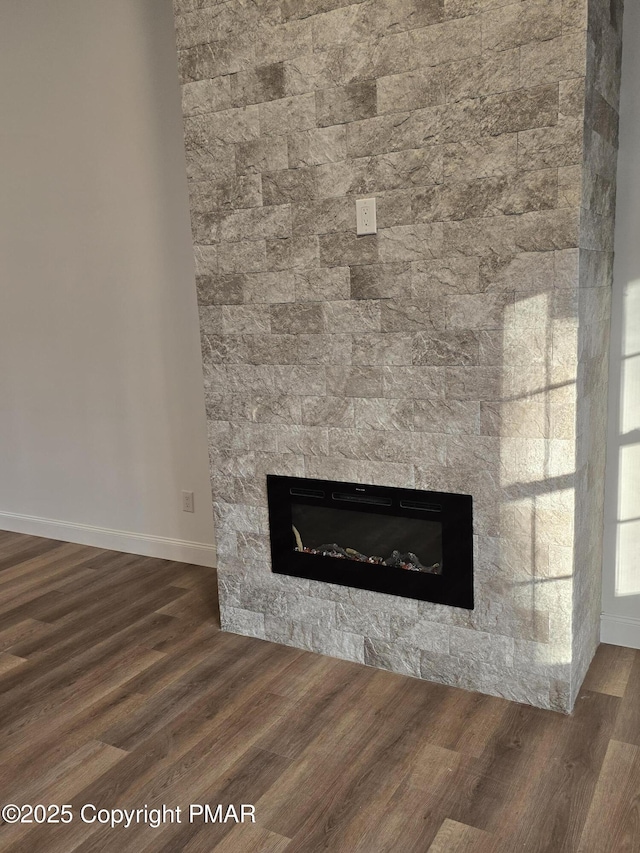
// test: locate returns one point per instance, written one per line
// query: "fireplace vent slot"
(307, 493)
(420, 505)
(361, 499)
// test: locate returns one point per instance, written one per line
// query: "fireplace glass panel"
(403, 543)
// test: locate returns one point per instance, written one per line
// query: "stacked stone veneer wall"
(449, 351)
(604, 54)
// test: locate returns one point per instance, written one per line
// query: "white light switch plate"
(366, 216)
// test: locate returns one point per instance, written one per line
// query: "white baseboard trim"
(620, 631)
(198, 553)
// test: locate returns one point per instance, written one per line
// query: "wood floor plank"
(610, 670)
(628, 722)
(617, 797)
(454, 837)
(129, 694)
(555, 808)
(245, 838)
(28, 630)
(9, 663)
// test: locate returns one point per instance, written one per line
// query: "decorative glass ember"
(400, 543)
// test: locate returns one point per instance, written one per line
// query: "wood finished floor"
(118, 689)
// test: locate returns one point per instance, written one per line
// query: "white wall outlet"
(366, 216)
(187, 501)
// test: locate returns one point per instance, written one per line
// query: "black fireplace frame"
(453, 587)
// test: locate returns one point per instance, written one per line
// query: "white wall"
(101, 397)
(621, 571)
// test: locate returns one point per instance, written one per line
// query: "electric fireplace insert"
(406, 542)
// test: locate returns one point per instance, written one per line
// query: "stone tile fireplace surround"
(462, 349)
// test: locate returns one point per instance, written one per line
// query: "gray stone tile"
(292, 253)
(483, 75)
(507, 112)
(262, 155)
(324, 349)
(546, 147)
(349, 317)
(338, 644)
(392, 656)
(394, 208)
(210, 320)
(226, 126)
(346, 103)
(382, 349)
(275, 409)
(530, 271)
(491, 157)
(396, 170)
(380, 281)
(289, 632)
(279, 41)
(305, 440)
(447, 42)
(560, 58)
(373, 18)
(287, 115)
(208, 161)
(411, 315)
(574, 14)
(473, 383)
(314, 147)
(363, 620)
(271, 349)
(285, 187)
(305, 8)
(344, 249)
(418, 383)
(420, 633)
(297, 379)
(328, 411)
(322, 285)
(434, 278)
(446, 349)
(241, 257)
(295, 319)
(394, 132)
(411, 243)
(212, 198)
(477, 310)
(354, 381)
(480, 237)
(206, 96)
(324, 216)
(547, 230)
(245, 320)
(224, 349)
(571, 100)
(206, 61)
(351, 470)
(257, 85)
(384, 414)
(212, 23)
(267, 287)
(483, 197)
(447, 416)
(239, 621)
(424, 87)
(256, 223)
(513, 25)
(206, 259)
